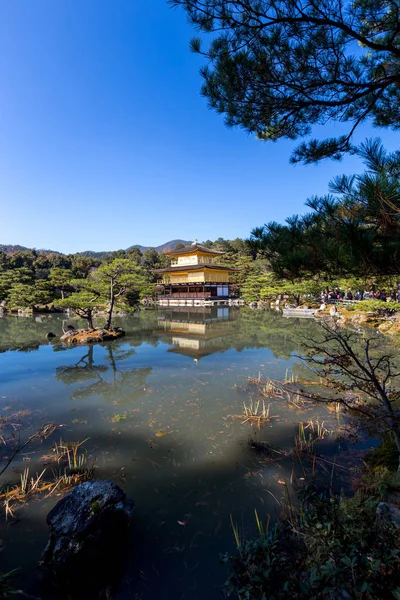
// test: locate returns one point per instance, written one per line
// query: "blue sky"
(106, 142)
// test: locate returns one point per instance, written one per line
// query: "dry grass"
(256, 411)
(273, 389)
(75, 468)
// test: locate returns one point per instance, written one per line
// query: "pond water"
(160, 409)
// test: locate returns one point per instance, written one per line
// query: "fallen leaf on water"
(182, 522)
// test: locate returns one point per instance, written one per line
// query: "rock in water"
(88, 528)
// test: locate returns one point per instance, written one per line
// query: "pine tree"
(353, 230)
(277, 68)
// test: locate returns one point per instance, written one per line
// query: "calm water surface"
(159, 410)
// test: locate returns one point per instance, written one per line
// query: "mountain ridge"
(171, 244)
(13, 248)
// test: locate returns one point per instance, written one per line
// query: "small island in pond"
(75, 337)
(110, 283)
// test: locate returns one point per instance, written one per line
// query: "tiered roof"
(192, 249)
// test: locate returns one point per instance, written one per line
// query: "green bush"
(334, 551)
(377, 306)
(385, 455)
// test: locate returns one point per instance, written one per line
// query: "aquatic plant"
(7, 590)
(75, 468)
(290, 377)
(29, 485)
(309, 434)
(119, 417)
(256, 411)
(274, 389)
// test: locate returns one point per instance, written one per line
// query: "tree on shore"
(84, 301)
(27, 295)
(60, 279)
(10, 277)
(359, 376)
(353, 230)
(118, 278)
(112, 282)
(277, 68)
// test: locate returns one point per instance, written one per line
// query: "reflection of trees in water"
(250, 329)
(268, 329)
(83, 370)
(27, 333)
(106, 380)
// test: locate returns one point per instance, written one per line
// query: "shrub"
(335, 550)
(385, 455)
(378, 307)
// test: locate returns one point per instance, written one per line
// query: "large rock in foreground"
(74, 337)
(88, 528)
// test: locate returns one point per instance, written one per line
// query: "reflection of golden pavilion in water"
(197, 331)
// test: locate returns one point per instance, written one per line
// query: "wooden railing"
(188, 295)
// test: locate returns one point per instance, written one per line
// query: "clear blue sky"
(106, 142)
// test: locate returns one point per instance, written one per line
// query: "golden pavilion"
(194, 277)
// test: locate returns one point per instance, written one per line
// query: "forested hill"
(32, 279)
(168, 245)
(11, 249)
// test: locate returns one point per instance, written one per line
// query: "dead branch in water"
(44, 432)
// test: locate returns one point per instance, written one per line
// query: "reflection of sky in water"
(158, 407)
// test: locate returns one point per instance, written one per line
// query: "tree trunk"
(388, 408)
(397, 442)
(90, 357)
(393, 422)
(62, 294)
(111, 307)
(90, 318)
(112, 363)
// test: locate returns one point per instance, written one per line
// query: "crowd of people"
(392, 295)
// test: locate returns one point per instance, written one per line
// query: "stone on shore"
(88, 527)
(387, 514)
